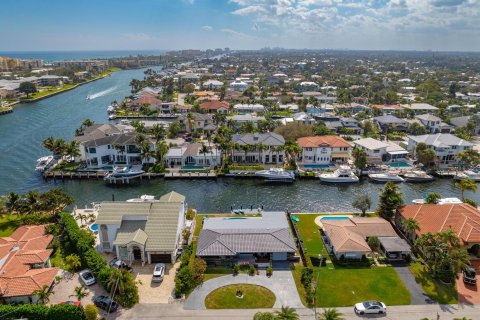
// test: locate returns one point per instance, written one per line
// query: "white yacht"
(276, 174)
(43, 163)
(110, 109)
(385, 177)
(143, 198)
(344, 174)
(124, 173)
(418, 176)
(440, 201)
(469, 174)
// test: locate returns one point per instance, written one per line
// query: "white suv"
(158, 272)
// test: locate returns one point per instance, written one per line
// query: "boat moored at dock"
(385, 177)
(469, 174)
(44, 163)
(344, 174)
(418, 176)
(276, 174)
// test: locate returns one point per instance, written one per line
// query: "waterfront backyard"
(342, 284)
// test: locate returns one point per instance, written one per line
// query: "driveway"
(155, 292)
(467, 293)
(417, 295)
(281, 283)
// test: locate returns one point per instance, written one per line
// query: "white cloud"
(235, 33)
(207, 28)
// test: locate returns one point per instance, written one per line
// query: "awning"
(339, 155)
(398, 152)
(394, 244)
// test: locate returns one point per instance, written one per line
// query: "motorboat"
(385, 177)
(468, 174)
(418, 176)
(112, 117)
(143, 198)
(110, 109)
(43, 163)
(124, 173)
(276, 174)
(440, 201)
(88, 98)
(344, 174)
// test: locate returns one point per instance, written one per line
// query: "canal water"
(22, 132)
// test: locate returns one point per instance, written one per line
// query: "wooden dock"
(190, 175)
(89, 175)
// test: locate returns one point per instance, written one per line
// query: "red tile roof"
(27, 246)
(462, 218)
(146, 99)
(322, 141)
(214, 105)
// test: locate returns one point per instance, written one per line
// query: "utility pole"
(320, 258)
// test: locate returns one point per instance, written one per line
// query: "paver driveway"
(281, 283)
(467, 293)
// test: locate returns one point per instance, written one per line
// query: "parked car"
(73, 303)
(105, 303)
(158, 272)
(469, 275)
(368, 307)
(87, 277)
(119, 264)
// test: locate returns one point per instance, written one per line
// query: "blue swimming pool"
(318, 166)
(399, 164)
(234, 218)
(189, 167)
(335, 218)
(94, 227)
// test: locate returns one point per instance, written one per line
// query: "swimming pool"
(189, 167)
(94, 227)
(399, 164)
(234, 218)
(318, 166)
(335, 218)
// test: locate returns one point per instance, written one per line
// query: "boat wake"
(101, 93)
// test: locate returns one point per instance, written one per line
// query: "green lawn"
(443, 294)
(56, 258)
(9, 223)
(253, 297)
(49, 90)
(310, 234)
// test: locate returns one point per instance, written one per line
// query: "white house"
(213, 84)
(419, 108)
(248, 108)
(445, 145)
(238, 85)
(375, 149)
(148, 232)
(192, 156)
(323, 150)
(308, 86)
(433, 124)
(243, 118)
(107, 145)
(304, 118)
(258, 148)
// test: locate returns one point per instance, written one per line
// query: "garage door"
(165, 258)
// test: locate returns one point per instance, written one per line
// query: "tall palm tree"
(80, 292)
(147, 153)
(466, 184)
(204, 150)
(261, 147)
(331, 314)
(158, 132)
(32, 200)
(410, 225)
(73, 261)
(140, 139)
(118, 280)
(73, 149)
(245, 148)
(12, 201)
(162, 149)
(43, 294)
(287, 313)
(49, 143)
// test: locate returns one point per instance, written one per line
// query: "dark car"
(72, 303)
(105, 303)
(119, 264)
(469, 275)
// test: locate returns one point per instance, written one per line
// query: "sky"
(48, 25)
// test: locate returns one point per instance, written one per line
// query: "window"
(106, 245)
(131, 148)
(123, 253)
(92, 150)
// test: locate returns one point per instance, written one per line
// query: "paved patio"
(281, 283)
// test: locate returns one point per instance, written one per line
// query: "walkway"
(417, 295)
(281, 283)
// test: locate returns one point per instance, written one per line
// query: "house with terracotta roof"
(348, 237)
(323, 150)
(215, 106)
(462, 218)
(25, 264)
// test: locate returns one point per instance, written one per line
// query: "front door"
(137, 254)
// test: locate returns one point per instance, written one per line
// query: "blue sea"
(50, 56)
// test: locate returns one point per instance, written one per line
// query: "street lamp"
(320, 258)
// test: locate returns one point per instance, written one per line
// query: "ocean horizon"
(51, 56)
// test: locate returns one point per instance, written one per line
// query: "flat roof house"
(247, 240)
(147, 232)
(25, 264)
(419, 108)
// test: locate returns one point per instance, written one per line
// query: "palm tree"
(278, 149)
(410, 225)
(287, 313)
(49, 143)
(158, 132)
(147, 153)
(88, 123)
(118, 280)
(32, 200)
(140, 139)
(204, 150)
(73, 262)
(73, 149)
(245, 148)
(190, 119)
(43, 294)
(331, 314)
(80, 292)
(466, 184)
(261, 147)
(12, 201)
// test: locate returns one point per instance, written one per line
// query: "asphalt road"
(414, 312)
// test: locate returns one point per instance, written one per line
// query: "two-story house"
(391, 123)
(193, 156)
(446, 146)
(197, 121)
(258, 148)
(323, 150)
(433, 124)
(148, 232)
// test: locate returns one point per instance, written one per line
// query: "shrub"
(251, 168)
(63, 311)
(408, 258)
(199, 268)
(470, 202)
(269, 270)
(36, 218)
(190, 214)
(183, 280)
(251, 270)
(236, 268)
(307, 276)
(264, 316)
(42, 312)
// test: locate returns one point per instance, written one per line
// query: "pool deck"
(318, 220)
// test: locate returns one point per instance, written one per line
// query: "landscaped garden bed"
(240, 296)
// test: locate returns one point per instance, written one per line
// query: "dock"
(89, 175)
(190, 175)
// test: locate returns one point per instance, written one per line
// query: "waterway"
(22, 132)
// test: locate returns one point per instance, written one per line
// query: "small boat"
(112, 117)
(344, 174)
(43, 163)
(469, 174)
(418, 176)
(276, 174)
(123, 173)
(143, 198)
(440, 201)
(110, 109)
(88, 98)
(385, 177)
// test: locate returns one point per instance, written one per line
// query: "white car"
(369, 307)
(87, 277)
(158, 272)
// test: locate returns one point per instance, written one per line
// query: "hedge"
(246, 168)
(83, 242)
(41, 312)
